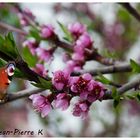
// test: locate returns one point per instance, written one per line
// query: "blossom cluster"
(44, 54)
(65, 86)
(68, 87)
(82, 43)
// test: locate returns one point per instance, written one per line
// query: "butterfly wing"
(3, 82)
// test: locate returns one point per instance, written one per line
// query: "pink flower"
(73, 66)
(81, 85)
(78, 56)
(28, 13)
(96, 93)
(76, 28)
(22, 19)
(43, 54)
(47, 31)
(81, 109)
(62, 101)
(83, 42)
(31, 44)
(41, 104)
(60, 79)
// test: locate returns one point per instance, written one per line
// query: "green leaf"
(43, 84)
(2, 63)
(103, 79)
(8, 46)
(124, 16)
(130, 96)
(116, 103)
(114, 93)
(110, 54)
(138, 96)
(35, 34)
(135, 66)
(19, 74)
(68, 36)
(116, 97)
(29, 58)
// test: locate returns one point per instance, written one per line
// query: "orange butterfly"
(6, 74)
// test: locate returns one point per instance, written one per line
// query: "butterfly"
(6, 74)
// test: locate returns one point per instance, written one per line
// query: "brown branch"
(131, 10)
(21, 94)
(126, 87)
(12, 28)
(122, 67)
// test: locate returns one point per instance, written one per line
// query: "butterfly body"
(6, 74)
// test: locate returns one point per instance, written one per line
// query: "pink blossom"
(81, 109)
(41, 104)
(78, 56)
(31, 44)
(96, 91)
(62, 101)
(47, 31)
(60, 79)
(73, 66)
(28, 13)
(43, 54)
(76, 28)
(86, 40)
(83, 42)
(22, 19)
(81, 85)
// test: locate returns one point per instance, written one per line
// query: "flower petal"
(45, 110)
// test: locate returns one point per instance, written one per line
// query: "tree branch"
(126, 87)
(11, 28)
(131, 10)
(21, 94)
(122, 67)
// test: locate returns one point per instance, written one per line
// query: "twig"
(131, 10)
(129, 85)
(11, 28)
(32, 22)
(126, 87)
(122, 67)
(22, 94)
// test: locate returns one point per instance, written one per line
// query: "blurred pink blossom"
(60, 79)
(77, 29)
(62, 101)
(81, 109)
(31, 44)
(47, 31)
(43, 54)
(41, 104)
